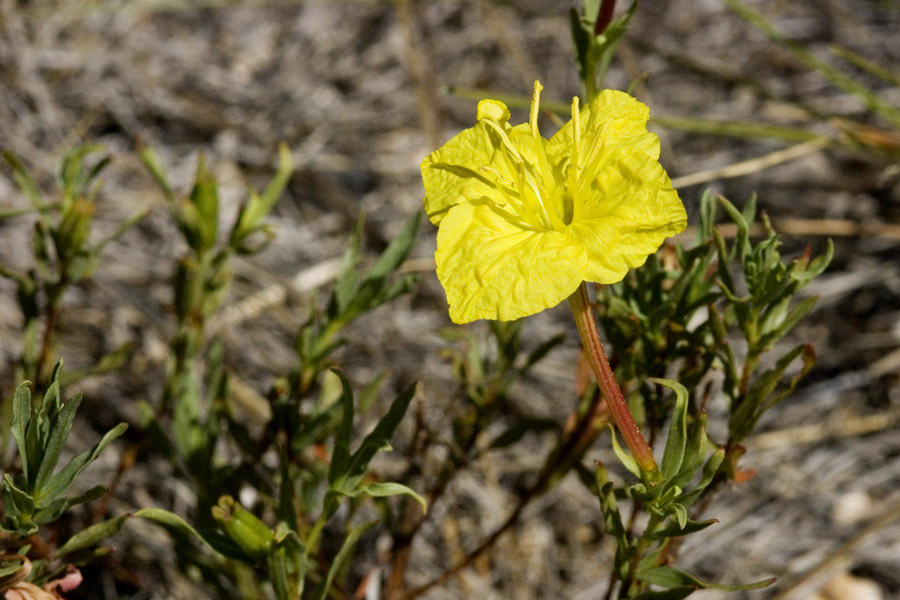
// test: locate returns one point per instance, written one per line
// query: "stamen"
(504, 139)
(535, 106)
(576, 124)
(573, 169)
(498, 177)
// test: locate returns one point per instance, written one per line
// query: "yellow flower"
(524, 220)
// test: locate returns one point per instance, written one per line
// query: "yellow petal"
(452, 174)
(493, 269)
(612, 119)
(628, 211)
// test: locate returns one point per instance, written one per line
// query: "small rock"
(847, 587)
(851, 507)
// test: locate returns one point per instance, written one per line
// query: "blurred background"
(361, 91)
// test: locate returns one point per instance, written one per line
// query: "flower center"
(539, 196)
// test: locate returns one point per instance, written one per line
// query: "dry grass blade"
(753, 165)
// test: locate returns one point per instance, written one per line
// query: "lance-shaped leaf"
(287, 562)
(341, 558)
(346, 470)
(671, 577)
(677, 439)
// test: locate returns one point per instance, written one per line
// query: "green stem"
(606, 379)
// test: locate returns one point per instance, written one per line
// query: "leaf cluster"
(307, 413)
(596, 36)
(36, 496)
(63, 253)
(641, 559)
(683, 313)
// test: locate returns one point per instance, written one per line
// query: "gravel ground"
(360, 90)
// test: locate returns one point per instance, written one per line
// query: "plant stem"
(606, 379)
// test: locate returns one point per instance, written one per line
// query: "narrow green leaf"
(26, 184)
(749, 210)
(758, 397)
(282, 176)
(379, 439)
(865, 64)
(818, 264)
(121, 229)
(707, 216)
(173, 522)
(340, 456)
(348, 278)
(709, 472)
(17, 502)
(59, 433)
(581, 38)
(694, 453)
(48, 512)
(108, 362)
(676, 529)
(205, 198)
(71, 174)
(91, 536)
(793, 317)
(591, 8)
(398, 249)
(287, 565)
(386, 488)
(257, 206)
(609, 506)
(369, 393)
(680, 513)
(671, 577)
(258, 209)
(60, 482)
(374, 289)
(743, 226)
(342, 556)
(154, 166)
(20, 422)
(626, 459)
(677, 439)
(543, 350)
(515, 431)
(724, 281)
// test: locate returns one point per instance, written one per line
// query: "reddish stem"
(606, 379)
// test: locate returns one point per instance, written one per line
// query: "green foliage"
(596, 41)
(63, 255)
(35, 497)
(346, 471)
(354, 294)
(682, 313)
(197, 382)
(639, 556)
(717, 309)
(683, 310)
(202, 419)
